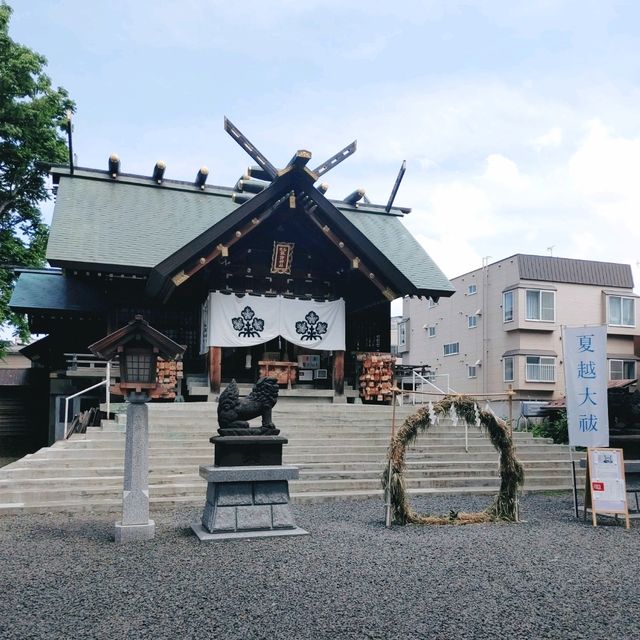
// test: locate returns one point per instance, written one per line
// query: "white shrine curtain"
(234, 321)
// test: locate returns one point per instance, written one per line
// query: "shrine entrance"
(312, 369)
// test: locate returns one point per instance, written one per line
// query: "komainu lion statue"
(234, 411)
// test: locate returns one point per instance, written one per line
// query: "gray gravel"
(61, 576)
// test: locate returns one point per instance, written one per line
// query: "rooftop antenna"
(396, 186)
(550, 249)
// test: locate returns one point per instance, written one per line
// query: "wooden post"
(215, 368)
(338, 372)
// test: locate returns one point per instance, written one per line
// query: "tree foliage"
(33, 117)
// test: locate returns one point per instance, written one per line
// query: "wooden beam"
(222, 249)
(335, 160)
(396, 186)
(215, 368)
(244, 142)
(352, 198)
(356, 262)
(338, 372)
(299, 160)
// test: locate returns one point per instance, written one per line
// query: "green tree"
(33, 118)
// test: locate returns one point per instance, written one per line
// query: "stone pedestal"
(247, 502)
(242, 451)
(135, 524)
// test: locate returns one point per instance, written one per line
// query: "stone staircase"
(340, 450)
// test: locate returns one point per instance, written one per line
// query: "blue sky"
(519, 121)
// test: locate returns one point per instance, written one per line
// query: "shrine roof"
(48, 290)
(395, 241)
(132, 224)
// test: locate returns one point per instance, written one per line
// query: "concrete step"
(113, 476)
(97, 447)
(184, 487)
(98, 469)
(205, 431)
(196, 456)
(157, 441)
(340, 450)
(114, 505)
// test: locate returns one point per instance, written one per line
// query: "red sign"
(597, 486)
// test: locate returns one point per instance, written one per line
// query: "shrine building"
(269, 275)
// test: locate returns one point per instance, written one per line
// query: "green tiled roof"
(134, 223)
(52, 291)
(395, 241)
(97, 221)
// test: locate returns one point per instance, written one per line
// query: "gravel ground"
(61, 576)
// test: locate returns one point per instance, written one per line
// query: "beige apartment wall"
(491, 338)
(450, 317)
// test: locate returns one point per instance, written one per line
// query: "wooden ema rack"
(376, 376)
(168, 373)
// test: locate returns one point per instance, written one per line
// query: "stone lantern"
(137, 346)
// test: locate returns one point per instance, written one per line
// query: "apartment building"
(503, 326)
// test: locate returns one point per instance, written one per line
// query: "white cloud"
(604, 170)
(504, 171)
(552, 138)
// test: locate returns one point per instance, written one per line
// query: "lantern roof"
(137, 329)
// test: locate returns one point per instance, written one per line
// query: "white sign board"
(607, 489)
(585, 370)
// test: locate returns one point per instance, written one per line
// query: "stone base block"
(135, 532)
(247, 502)
(205, 536)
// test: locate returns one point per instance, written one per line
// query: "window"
(507, 365)
(622, 369)
(541, 305)
(451, 349)
(472, 289)
(431, 332)
(540, 369)
(507, 306)
(472, 321)
(622, 311)
(472, 371)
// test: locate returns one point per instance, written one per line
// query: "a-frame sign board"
(605, 489)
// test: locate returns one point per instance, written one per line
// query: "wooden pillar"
(215, 368)
(338, 372)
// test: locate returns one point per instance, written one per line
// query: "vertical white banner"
(585, 372)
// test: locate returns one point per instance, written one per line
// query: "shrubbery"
(553, 427)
